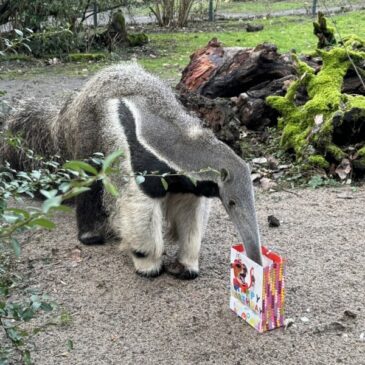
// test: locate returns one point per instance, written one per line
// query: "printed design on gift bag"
(273, 303)
(239, 276)
(257, 292)
(246, 288)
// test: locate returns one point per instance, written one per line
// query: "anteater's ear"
(224, 175)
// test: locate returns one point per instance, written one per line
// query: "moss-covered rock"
(312, 125)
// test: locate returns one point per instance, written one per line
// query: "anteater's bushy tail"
(34, 123)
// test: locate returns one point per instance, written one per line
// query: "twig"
(278, 190)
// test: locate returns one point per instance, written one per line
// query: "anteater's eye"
(231, 203)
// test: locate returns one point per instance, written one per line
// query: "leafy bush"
(56, 183)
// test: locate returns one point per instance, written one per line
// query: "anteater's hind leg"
(91, 215)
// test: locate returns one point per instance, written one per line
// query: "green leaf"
(10, 218)
(316, 181)
(15, 246)
(24, 175)
(140, 179)
(51, 203)
(110, 159)
(15, 335)
(17, 211)
(65, 186)
(77, 191)
(164, 183)
(46, 307)
(28, 314)
(63, 208)
(49, 194)
(36, 303)
(36, 174)
(70, 345)
(27, 47)
(110, 188)
(26, 357)
(80, 166)
(18, 32)
(42, 222)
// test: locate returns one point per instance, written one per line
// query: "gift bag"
(258, 292)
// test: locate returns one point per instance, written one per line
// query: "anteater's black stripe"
(144, 160)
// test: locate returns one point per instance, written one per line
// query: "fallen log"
(321, 112)
(217, 71)
(227, 87)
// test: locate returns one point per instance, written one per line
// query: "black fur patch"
(139, 254)
(91, 215)
(144, 160)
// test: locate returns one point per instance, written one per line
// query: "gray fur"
(90, 123)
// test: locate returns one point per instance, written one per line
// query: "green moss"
(318, 161)
(325, 104)
(325, 34)
(137, 39)
(357, 101)
(361, 152)
(354, 42)
(80, 57)
(335, 151)
(118, 24)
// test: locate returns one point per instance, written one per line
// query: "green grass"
(259, 6)
(255, 6)
(287, 33)
(267, 6)
(174, 49)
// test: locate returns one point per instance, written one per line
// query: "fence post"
(95, 14)
(211, 14)
(314, 8)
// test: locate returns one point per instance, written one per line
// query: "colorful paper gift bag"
(257, 292)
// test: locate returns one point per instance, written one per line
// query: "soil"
(118, 317)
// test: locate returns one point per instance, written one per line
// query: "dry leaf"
(259, 160)
(76, 255)
(267, 183)
(255, 176)
(344, 169)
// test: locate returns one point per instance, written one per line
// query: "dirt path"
(120, 318)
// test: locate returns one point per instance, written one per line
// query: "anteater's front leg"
(188, 214)
(140, 222)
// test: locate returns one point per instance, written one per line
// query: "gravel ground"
(121, 318)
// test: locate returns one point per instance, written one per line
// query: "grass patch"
(268, 6)
(259, 7)
(253, 7)
(168, 53)
(17, 57)
(79, 57)
(286, 32)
